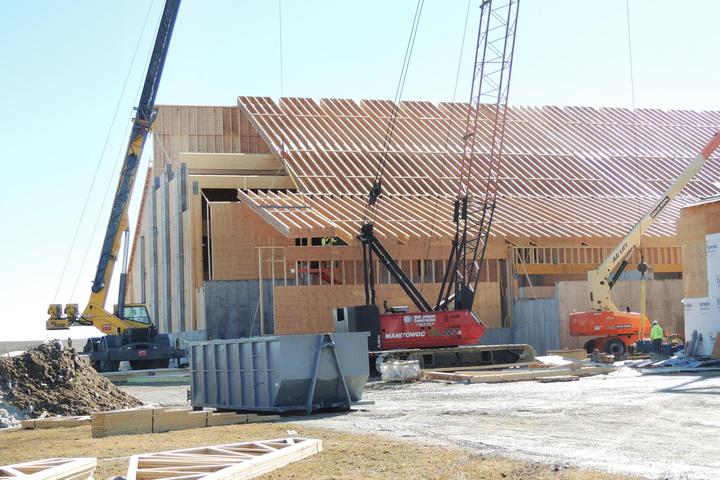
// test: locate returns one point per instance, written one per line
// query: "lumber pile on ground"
(234, 461)
(570, 354)
(157, 420)
(55, 422)
(51, 469)
(549, 369)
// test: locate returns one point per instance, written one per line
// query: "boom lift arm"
(95, 313)
(602, 279)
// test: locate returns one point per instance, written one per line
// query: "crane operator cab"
(136, 313)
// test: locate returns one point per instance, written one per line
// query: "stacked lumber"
(234, 461)
(516, 375)
(55, 422)
(52, 469)
(157, 420)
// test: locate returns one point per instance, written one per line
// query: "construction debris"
(156, 420)
(600, 357)
(52, 469)
(676, 363)
(53, 379)
(400, 371)
(235, 461)
(9, 416)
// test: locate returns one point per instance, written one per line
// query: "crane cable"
(443, 166)
(370, 211)
(643, 291)
(100, 159)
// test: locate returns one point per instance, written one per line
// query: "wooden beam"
(242, 181)
(225, 163)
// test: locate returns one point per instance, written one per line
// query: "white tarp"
(400, 371)
(702, 314)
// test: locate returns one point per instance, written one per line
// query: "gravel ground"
(655, 426)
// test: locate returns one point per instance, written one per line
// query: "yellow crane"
(130, 333)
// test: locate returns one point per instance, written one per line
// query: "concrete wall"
(232, 310)
(537, 322)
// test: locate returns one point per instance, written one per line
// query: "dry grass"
(345, 455)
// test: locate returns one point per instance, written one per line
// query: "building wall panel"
(309, 309)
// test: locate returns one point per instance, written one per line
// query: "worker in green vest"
(656, 335)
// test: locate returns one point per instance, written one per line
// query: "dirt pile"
(53, 379)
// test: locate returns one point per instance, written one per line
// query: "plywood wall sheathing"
(201, 129)
(694, 223)
(236, 234)
(309, 309)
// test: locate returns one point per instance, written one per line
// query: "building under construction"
(250, 213)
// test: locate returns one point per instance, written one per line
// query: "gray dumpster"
(279, 373)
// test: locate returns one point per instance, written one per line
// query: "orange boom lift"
(615, 330)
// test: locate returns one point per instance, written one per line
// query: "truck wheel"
(589, 346)
(615, 346)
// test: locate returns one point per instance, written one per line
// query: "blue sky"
(65, 64)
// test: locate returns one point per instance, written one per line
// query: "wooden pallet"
(55, 422)
(51, 469)
(516, 376)
(234, 461)
(157, 420)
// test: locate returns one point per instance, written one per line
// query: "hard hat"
(654, 322)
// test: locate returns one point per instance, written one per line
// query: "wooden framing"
(222, 462)
(302, 169)
(51, 469)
